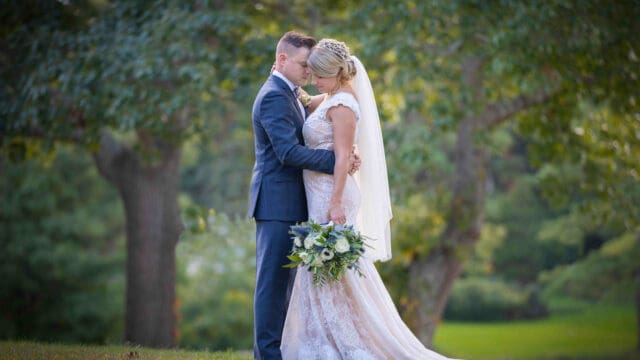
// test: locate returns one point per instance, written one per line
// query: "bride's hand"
(336, 214)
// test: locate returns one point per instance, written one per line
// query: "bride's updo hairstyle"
(330, 58)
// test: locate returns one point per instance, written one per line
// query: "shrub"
(216, 282)
(484, 299)
(604, 275)
(62, 257)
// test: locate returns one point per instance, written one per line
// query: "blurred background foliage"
(62, 255)
(560, 218)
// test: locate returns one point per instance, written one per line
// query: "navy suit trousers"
(273, 286)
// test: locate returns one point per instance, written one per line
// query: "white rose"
(317, 261)
(297, 242)
(308, 242)
(342, 245)
(304, 256)
(327, 254)
(313, 239)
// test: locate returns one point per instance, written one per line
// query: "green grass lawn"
(574, 331)
(40, 351)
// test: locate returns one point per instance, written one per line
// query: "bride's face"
(324, 84)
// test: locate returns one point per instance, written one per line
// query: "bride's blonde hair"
(330, 58)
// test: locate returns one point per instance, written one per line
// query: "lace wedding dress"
(354, 318)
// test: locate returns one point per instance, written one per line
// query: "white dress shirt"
(292, 87)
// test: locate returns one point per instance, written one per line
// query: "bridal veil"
(375, 213)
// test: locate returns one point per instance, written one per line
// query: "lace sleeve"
(342, 98)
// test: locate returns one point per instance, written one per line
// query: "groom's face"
(295, 66)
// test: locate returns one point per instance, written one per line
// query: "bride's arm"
(343, 121)
(311, 102)
(315, 101)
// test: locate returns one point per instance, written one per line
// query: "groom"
(277, 196)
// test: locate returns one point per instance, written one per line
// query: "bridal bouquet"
(327, 250)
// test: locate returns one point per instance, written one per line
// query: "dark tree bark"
(638, 301)
(431, 276)
(430, 281)
(149, 191)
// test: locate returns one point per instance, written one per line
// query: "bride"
(354, 318)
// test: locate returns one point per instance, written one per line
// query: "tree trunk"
(638, 310)
(431, 277)
(430, 281)
(149, 193)
(638, 301)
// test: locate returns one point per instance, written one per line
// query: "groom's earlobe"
(280, 59)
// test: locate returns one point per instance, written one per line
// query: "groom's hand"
(354, 160)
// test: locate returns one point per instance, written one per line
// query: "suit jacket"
(277, 189)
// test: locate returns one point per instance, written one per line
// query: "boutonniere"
(304, 98)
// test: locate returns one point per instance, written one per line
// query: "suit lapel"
(287, 90)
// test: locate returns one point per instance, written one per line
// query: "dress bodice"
(318, 134)
(317, 130)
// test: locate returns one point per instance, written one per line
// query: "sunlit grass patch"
(573, 331)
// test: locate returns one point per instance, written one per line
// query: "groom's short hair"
(292, 40)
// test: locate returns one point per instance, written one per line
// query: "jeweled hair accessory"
(337, 47)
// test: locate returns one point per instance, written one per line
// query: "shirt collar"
(278, 74)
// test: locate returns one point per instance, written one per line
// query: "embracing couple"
(305, 169)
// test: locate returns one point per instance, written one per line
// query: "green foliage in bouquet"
(326, 250)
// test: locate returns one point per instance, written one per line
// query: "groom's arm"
(277, 120)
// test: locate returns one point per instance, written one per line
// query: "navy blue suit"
(277, 200)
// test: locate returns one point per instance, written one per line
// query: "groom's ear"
(280, 59)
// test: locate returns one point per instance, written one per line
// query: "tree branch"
(444, 51)
(498, 112)
(106, 156)
(38, 132)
